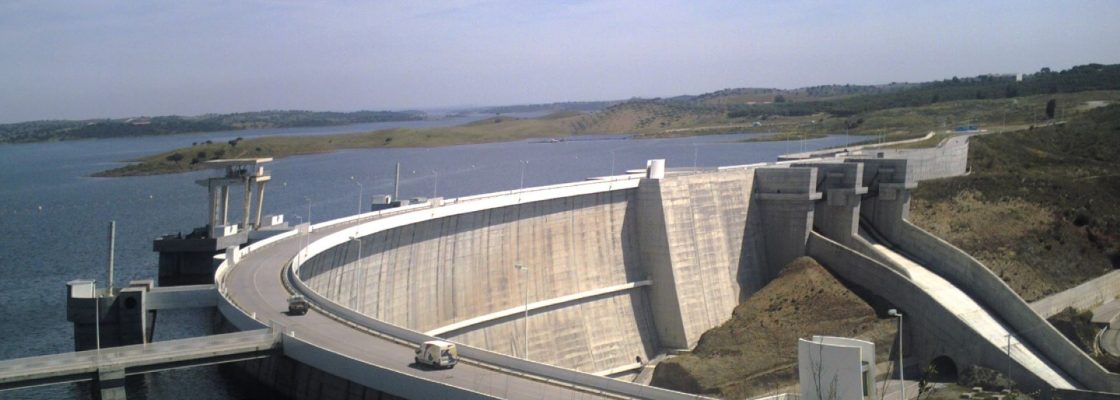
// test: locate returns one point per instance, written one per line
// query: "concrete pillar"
(655, 169)
(656, 259)
(215, 204)
(837, 217)
(787, 199)
(110, 383)
(887, 201)
(260, 202)
(248, 203)
(225, 205)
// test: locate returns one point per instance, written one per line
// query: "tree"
(1050, 108)
(175, 158)
(779, 99)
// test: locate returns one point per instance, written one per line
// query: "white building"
(834, 368)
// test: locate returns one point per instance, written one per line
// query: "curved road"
(255, 285)
(1110, 342)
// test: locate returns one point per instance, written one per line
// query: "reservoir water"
(54, 217)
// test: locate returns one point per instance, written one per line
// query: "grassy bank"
(496, 129)
(1041, 207)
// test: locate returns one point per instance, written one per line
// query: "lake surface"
(54, 218)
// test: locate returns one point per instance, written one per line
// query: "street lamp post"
(1009, 357)
(360, 187)
(695, 155)
(525, 283)
(97, 320)
(901, 376)
(522, 162)
(300, 240)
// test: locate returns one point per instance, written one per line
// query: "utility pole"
(695, 154)
(1009, 358)
(522, 162)
(360, 187)
(901, 368)
(397, 184)
(112, 249)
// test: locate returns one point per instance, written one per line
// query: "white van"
(437, 353)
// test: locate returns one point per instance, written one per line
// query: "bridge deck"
(83, 365)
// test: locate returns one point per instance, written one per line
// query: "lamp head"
(894, 313)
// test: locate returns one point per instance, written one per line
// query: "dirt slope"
(756, 351)
(1041, 207)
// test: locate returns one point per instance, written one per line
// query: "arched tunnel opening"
(941, 369)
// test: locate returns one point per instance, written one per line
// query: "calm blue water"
(53, 217)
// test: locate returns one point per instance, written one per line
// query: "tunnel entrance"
(941, 369)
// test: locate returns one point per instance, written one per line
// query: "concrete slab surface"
(975, 316)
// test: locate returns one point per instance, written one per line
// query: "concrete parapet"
(949, 158)
(1085, 296)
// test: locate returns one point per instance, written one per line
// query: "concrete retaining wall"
(986, 288)
(948, 159)
(1082, 297)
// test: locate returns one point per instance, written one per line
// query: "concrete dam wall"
(441, 271)
(614, 273)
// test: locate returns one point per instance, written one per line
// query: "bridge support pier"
(109, 384)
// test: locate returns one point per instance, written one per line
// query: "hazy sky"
(84, 59)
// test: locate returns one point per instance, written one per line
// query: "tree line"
(38, 131)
